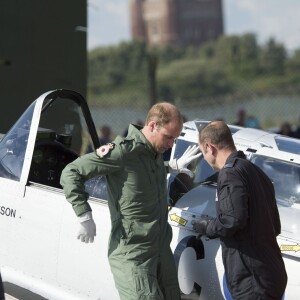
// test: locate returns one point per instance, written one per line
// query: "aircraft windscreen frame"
(13, 146)
(74, 132)
(64, 116)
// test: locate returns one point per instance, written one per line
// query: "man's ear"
(213, 150)
(210, 148)
(152, 125)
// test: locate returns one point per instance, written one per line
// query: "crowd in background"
(107, 135)
(286, 127)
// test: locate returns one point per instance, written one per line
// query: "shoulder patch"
(105, 149)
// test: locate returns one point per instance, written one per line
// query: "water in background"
(270, 111)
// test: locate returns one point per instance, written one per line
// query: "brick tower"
(176, 22)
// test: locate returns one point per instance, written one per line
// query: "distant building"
(176, 22)
(43, 47)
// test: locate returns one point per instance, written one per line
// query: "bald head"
(218, 134)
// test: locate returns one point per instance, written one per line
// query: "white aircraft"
(200, 268)
(39, 252)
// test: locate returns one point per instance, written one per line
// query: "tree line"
(222, 68)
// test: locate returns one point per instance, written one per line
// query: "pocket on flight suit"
(146, 285)
(120, 231)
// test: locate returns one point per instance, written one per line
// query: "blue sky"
(109, 23)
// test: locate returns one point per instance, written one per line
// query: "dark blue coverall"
(247, 223)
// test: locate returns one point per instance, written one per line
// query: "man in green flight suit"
(139, 250)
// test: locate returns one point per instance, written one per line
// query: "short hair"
(218, 134)
(163, 113)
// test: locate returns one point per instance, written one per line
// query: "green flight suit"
(139, 250)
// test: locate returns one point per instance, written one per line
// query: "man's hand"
(180, 165)
(200, 226)
(87, 228)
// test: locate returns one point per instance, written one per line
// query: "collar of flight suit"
(134, 131)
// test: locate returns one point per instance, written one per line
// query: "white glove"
(87, 228)
(180, 165)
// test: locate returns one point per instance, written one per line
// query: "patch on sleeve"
(105, 149)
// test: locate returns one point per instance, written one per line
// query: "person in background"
(297, 129)
(106, 135)
(241, 117)
(247, 219)
(286, 129)
(139, 250)
(252, 122)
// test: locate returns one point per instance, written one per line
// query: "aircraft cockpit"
(55, 130)
(51, 154)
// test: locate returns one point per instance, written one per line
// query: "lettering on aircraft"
(8, 212)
